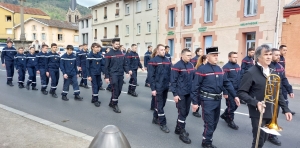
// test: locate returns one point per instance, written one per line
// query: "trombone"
(272, 89)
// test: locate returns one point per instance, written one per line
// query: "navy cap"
(212, 50)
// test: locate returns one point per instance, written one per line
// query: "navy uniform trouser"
(263, 136)
(9, 65)
(21, 72)
(44, 79)
(83, 75)
(96, 83)
(183, 106)
(133, 81)
(160, 102)
(285, 95)
(73, 79)
(54, 75)
(210, 116)
(116, 87)
(152, 102)
(231, 107)
(32, 76)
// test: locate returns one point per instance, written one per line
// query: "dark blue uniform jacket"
(8, 54)
(31, 60)
(94, 64)
(282, 61)
(81, 58)
(232, 72)
(68, 64)
(194, 60)
(41, 60)
(20, 61)
(115, 64)
(247, 62)
(133, 61)
(168, 56)
(147, 58)
(279, 69)
(52, 61)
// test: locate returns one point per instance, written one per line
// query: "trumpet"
(272, 89)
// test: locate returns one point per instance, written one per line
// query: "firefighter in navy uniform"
(210, 82)
(94, 66)
(159, 71)
(52, 68)
(198, 53)
(115, 66)
(41, 68)
(133, 61)
(182, 74)
(31, 64)
(147, 58)
(232, 72)
(20, 64)
(7, 59)
(81, 60)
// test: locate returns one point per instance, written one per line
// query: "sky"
(88, 3)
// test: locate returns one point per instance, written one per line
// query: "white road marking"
(48, 123)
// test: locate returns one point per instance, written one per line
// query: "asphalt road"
(135, 119)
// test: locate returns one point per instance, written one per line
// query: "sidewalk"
(20, 132)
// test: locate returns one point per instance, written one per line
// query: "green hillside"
(56, 9)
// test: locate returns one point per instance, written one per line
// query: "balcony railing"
(104, 37)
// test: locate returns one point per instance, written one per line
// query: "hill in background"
(56, 9)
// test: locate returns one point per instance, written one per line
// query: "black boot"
(64, 98)
(78, 98)
(184, 137)
(81, 85)
(196, 114)
(54, 95)
(116, 109)
(27, 87)
(86, 87)
(178, 130)
(134, 94)
(273, 139)
(108, 89)
(97, 103)
(154, 121)
(129, 92)
(164, 128)
(224, 117)
(44, 92)
(101, 88)
(232, 125)
(147, 85)
(208, 145)
(21, 86)
(9, 83)
(33, 88)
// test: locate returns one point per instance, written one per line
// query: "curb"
(48, 123)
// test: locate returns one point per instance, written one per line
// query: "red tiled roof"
(293, 4)
(27, 10)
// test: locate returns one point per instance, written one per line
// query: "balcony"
(117, 14)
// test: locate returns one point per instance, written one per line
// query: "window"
(207, 42)
(43, 36)
(208, 11)
(149, 27)
(117, 4)
(127, 9)
(8, 31)
(43, 29)
(149, 4)
(76, 18)
(76, 38)
(105, 32)
(117, 31)
(34, 36)
(171, 18)
(138, 48)
(250, 40)
(59, 37)
(138, 28)
(138, 6)
(188, 14)
(127, 29)
(105, 12)
(33, 28)
(117, 12)
(188, 43)
(95, 35)
(86, 23)
(8, 18)
(171, 45)
(96, 16)
(250, 7)
(82, 24)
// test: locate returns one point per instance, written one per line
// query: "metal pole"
(22, 36)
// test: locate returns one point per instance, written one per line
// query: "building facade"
(10, 16)
(134, 22)
(85, 30)
(73, 15)
(290, 37)
(232, 25)
(49, 31)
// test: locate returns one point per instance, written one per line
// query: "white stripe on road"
(48, 123)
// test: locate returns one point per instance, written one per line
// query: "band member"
(81, 60)
(31, 64)
(232, 72)
(7, 58)
(159, 70)
(41, 68)
(154, 53)
(200, 62)
(198, 53)
(115, 65)
(20, 63)
(108, 88)
(147, 58)
(133, 61)
(210, 82)
(52, 68)
(94, 66)
(181, 84)
(252, 91)
(68, 67)
(167, 48)
(279, 69)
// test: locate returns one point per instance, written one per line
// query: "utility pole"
(22, 36)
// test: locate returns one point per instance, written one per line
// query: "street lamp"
(22, 36)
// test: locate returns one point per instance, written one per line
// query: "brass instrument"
(272, 89)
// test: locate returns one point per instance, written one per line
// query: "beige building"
(134, 22)
(73, 15)
(49, 31)
(231, 25)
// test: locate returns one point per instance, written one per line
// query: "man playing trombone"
(252, 91)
